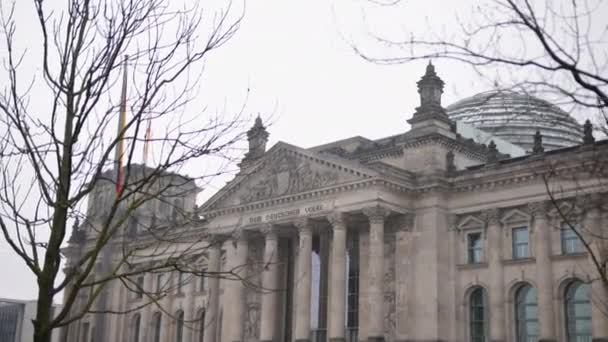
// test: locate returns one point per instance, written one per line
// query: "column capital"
(491, 216)
(302, 224)
(376, 214)
(269, 231)
(538, 210)
(337, 220)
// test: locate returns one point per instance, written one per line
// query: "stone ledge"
(518, 261)
(472, 266)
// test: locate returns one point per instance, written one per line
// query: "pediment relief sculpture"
(288, 174)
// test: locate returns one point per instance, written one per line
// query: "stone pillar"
(269, 285)
(403, 273)
(234, 303)
(599, 290)
(544, 272)
(497, 283)
(337, 307)
(303, 281)
(213, 292)
(376, 216)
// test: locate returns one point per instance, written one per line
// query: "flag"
(147, 139)
(122, 121)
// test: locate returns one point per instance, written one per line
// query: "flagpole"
(122, 121)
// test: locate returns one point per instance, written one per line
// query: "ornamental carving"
(537, 209)
(376, 214)
(337, 220)
(491, 216)
(288, 174)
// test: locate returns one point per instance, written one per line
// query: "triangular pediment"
(287, 170)
(470, 222)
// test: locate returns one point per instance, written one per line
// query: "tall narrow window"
(180, 282)
(526, 314)
(203, 280)
(136, 327)
(156, 325)
(139, 288)
(570, 241)
(521, 240)
(478, 319)
(578, 312)
(160, 282)
(85, 331)
(201, 330)
(179, 326)
(474, 248)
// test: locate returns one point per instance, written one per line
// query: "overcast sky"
(292, 58)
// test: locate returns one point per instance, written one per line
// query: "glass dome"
(515, 117)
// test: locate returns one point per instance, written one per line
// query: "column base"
(337, 339)
(375, 339)
(302, 340)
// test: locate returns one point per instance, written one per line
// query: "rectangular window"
(139, 290)
(203, 281)
(180, 282)
(571, 243)
(474, 248)
(521, 239)
(85, 331)
(160, 282)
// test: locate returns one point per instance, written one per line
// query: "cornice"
(313, 194)
(452, 144)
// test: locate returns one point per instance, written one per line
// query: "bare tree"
(58, 162)
(556, 49)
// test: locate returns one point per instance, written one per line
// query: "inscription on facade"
(291, 213)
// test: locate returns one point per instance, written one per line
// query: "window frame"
(565, 228)
(157, 326)
(515, 244)
(569, 320)
(474, 322)
(521, 318)
(179, 326)
(471, 251)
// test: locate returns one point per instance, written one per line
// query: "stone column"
(337, 307)
(376, 216)
(212, 312)
(269, 285)
(599, 291)
(234, 303)
(303, 281)
(497, 282)
(544, 272)
(403, 273)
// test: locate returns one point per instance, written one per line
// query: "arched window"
(201, 329)
(526, 314)
(179, 326)
(135, 328)
(478, 315)
(578, 312)
(156, 325)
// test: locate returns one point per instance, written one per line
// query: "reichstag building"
(474, 225)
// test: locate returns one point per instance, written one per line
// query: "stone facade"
(394, 239)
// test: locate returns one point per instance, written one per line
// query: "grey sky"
(298, 69)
